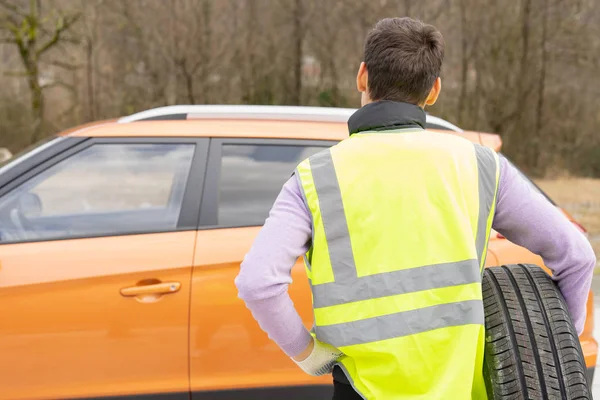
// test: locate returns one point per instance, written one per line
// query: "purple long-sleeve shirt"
(522, 215)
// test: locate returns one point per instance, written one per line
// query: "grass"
(580, 197)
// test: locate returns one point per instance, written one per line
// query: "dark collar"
(386, 115)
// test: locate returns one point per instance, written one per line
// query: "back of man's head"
(403, 58)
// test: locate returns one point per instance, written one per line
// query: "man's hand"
(318, 358)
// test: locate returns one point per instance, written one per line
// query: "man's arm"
(266, 271)
(266, 274)
(527, 218)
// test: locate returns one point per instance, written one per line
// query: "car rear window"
(252, 177)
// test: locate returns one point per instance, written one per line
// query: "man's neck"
(386, 115)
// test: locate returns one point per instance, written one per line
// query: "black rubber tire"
(532, 350)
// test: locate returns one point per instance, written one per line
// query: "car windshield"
(28, 152)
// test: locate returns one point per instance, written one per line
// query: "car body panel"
(220, 128)
(490, 140)
(92, 340)
(67, 331)
(305, 130)
(221, 327)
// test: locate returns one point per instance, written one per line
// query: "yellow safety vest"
(401, 221)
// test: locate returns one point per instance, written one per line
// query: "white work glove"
(321, 360)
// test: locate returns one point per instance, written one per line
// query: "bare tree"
(542, 78)
(25, 29)
(465, 60)
(525, 69)
(298, 39)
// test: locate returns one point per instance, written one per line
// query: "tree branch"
(19, 74)
(71, 40)
(63, 65)
(64, 23)
(442, 9)
(11, 25)
(195, 67)
(62, 84)
(11, 7)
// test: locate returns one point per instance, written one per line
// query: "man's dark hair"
(403, 58)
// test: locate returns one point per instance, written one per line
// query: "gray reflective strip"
(402, 324)
(312, 223)
(396, 282)
(486, 166)
(333, 217)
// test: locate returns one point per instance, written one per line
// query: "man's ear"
(362, 78)
(434, 92)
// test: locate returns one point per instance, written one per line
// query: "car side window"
(251, 178)
(105, 189)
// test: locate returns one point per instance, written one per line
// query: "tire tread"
(532, 350)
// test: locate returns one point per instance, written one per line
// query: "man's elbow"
(585, 257)
(259, 287)
(246, 287)
(590, 258)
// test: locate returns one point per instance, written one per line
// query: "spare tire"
(532, 350)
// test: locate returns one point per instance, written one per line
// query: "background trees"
(526, 69)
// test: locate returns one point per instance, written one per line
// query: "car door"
(231, 357)
(95, 267)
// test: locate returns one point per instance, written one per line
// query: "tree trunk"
(335, 92)
(477, 99)
(296, 96)
(524, 55)
(189, 83)
(542, 83)
(408, 7)
(33, 73)
(91, 98)
(462, 98)
(206, 54)
(523, 91)
(37, 105)
(249, 88)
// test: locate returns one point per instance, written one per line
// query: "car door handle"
(157, 288)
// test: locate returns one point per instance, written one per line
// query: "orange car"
(120, 241)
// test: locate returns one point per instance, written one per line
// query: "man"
(394, 223)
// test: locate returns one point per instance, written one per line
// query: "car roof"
(257, 112)
(241, 121)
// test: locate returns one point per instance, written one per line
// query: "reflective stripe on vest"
(487, 165)
(353, 309)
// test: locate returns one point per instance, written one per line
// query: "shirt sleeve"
(265, 272)
(525, 217)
